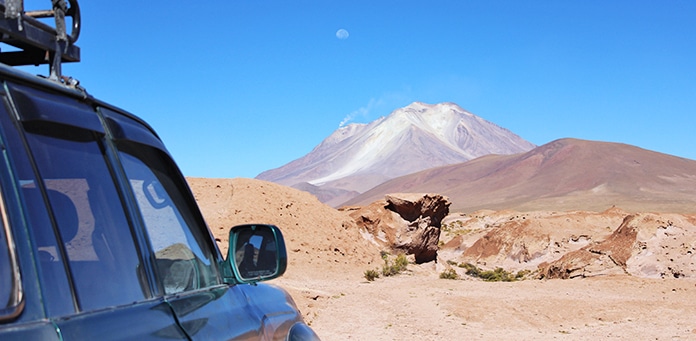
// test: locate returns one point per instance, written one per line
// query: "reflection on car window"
(255, 254)
(6, 274)
(52, 268)
(184, 261)
(94, 231)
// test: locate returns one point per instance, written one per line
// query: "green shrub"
(449, 274)
(384, 255)
(522, 274)
(371, 275)
(471, 269)
(392, 268)
(497, 275)
(401, 262)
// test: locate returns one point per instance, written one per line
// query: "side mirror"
(256, 253)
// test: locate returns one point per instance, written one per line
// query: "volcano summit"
(357, 157)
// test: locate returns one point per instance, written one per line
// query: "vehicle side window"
(9, 282)
(94, 231)
(49, 252)
(7, 278)
(184, 260)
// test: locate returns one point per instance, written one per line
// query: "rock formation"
(407, 222)
(644, 245)
(522, 240)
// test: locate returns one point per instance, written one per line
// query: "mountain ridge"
(357, 157)
(565, 174)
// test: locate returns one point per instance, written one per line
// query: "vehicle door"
(96, 280)
(185, 252)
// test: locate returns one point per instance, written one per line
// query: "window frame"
(171, 225)
(15, 303)
(125, 129)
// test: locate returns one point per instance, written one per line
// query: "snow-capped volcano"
(358, 157)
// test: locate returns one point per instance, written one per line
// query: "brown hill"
(318, 237)
(566, 174)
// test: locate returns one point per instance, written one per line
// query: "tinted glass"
(95, 234)
(52, 268)
(185, 261)
(6, 273)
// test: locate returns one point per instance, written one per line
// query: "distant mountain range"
(444, 149)
(563, 175)
(358, 157)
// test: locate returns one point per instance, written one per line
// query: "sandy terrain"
(328, 257)
(421, 306)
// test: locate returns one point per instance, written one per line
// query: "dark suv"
(100, 235)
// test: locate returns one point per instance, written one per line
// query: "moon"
(342, 34)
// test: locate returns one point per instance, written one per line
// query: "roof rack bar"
(39, 43)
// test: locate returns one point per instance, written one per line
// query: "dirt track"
(421, 306)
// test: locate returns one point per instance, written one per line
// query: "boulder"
(407, 222)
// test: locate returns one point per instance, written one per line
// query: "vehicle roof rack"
(37, 42)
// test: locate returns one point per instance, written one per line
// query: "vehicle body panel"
(156, 323)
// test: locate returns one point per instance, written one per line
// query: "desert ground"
(651, 297)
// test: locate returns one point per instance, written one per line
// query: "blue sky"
(237, 87)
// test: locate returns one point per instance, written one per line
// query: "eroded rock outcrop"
(518, 241)
(644, 245)
(408, 222)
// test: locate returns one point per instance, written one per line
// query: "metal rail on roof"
(37, 42)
